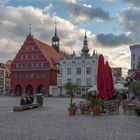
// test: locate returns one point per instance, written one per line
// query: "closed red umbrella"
(109, 87)
(101, 77)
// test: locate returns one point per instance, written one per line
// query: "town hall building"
(79, 69)
(35, 67)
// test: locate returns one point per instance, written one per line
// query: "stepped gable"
(48, 51)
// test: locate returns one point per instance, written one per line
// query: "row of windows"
(27, 56)
(33, 65)
(31, 76)
(135, 57)
(78, 70)
(78, 81)
(31, 48)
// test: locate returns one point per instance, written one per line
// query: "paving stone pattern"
(52, 122)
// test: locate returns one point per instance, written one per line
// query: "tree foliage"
(138, 65)
(71, 89)
(135, 87)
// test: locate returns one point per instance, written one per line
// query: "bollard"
(40, 99)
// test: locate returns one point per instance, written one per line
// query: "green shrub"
(95, 102)
(135, 88)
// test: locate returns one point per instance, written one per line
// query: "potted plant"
(71, 88)
(135, 88)
(95, 104)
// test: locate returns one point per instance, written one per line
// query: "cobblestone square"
(52, 122)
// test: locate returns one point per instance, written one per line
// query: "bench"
(24, 107)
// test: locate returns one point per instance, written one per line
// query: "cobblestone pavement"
(52, 122)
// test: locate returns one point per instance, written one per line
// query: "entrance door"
(29, 90)
(40, 89)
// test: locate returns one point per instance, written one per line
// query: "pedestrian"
(22, 101)
(28, 100)
(32, 99)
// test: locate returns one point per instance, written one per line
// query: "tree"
(138, 65)
(71, 88)
(135, 88)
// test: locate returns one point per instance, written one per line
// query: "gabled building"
(35, 66)
(79, 69)
(117, 74)
(2, 79)
(5, 70)
(7, 77)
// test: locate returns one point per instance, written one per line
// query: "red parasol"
(101, 77)
(109, 87)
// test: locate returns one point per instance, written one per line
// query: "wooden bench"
(24, 107)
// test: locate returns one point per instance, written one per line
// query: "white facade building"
(135, 56)
(79, 69)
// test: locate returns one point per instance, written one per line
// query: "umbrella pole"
(102, 111)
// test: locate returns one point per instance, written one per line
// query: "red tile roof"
(50, 53)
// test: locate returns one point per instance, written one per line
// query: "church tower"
(85, 49)
(55, 40)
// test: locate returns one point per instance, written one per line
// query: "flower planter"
(96, 111)
(72, 111)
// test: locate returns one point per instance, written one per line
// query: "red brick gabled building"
(34, 68)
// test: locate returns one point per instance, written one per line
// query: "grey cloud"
(130, 20)
(84, 13)
(113, 40)
(3, 1)
(134, 2)
(14, 27)
(4, 58)
(8, 49)
(15, 21)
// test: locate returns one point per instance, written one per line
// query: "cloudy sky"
(111, 25)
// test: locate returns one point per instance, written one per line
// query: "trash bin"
(40, 99)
